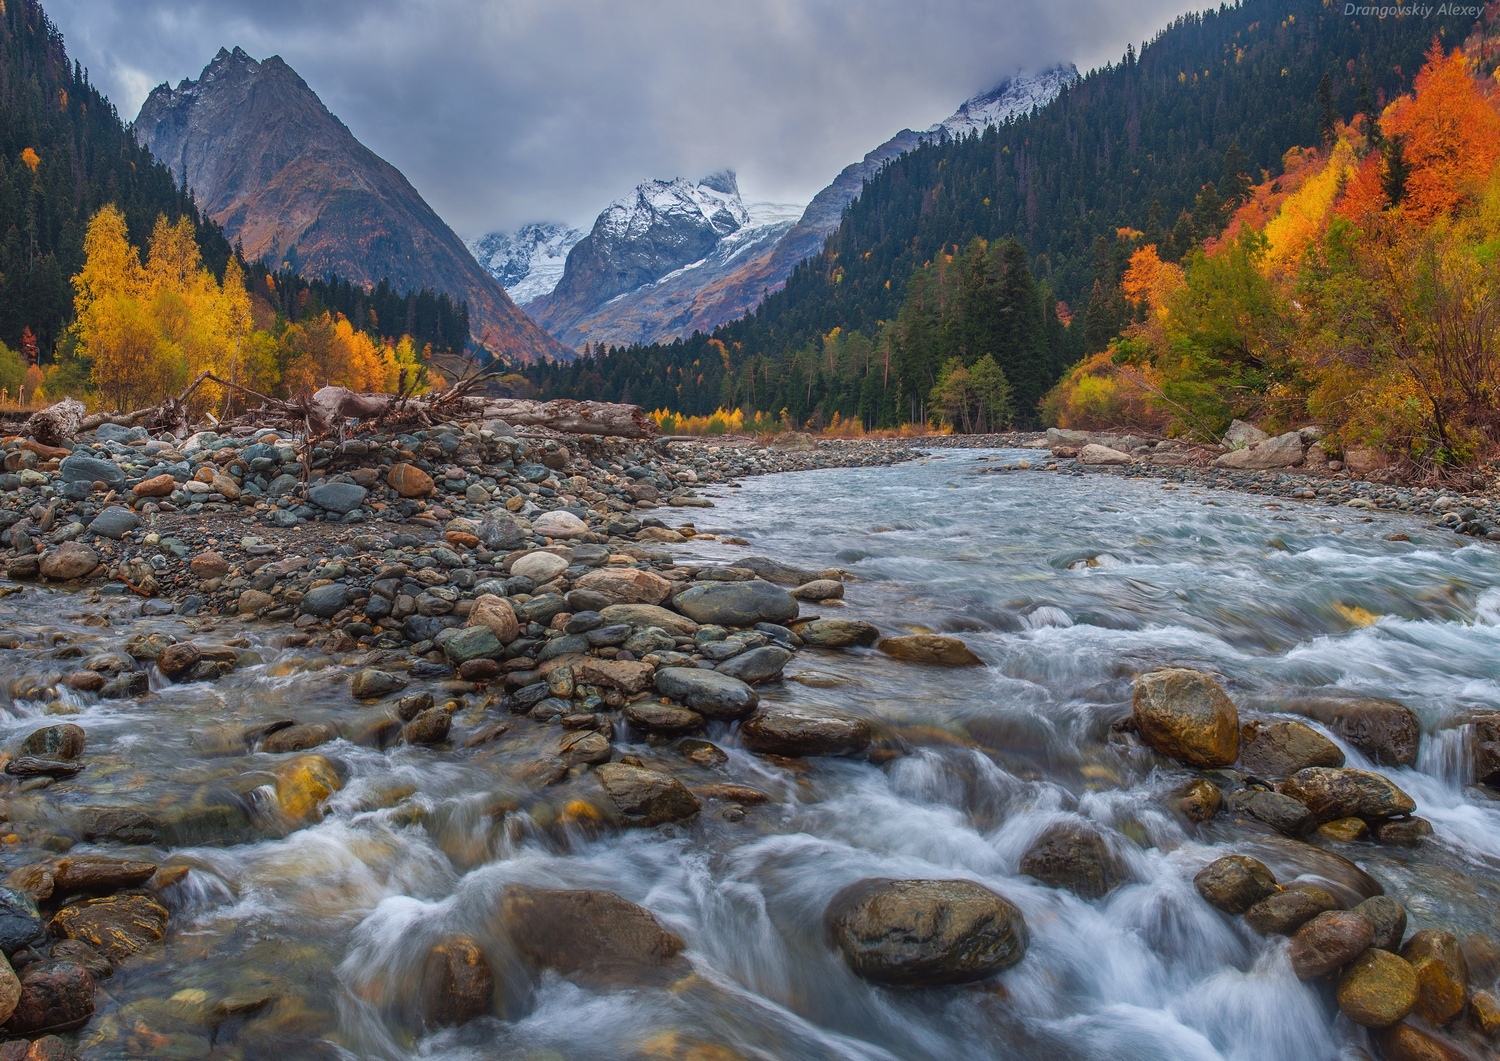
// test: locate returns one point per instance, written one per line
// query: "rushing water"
(1067, 587)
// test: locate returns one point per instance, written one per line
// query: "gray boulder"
(326, 601)
(338, 497)
(115, 522)
(80, 468)
(737, 603)
(707, 692)
(758, 665)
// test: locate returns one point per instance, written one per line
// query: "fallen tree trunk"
(57, 423)
(574, 418)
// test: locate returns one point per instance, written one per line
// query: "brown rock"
(777, 730)
(226, 485)
(156, 486)
(1442, 974)
(668, 719)
(1184, 715)
(594, 938)
(479, 670)
(178, 660)
(1200, 800)
(925, 932)
(55, 996)
(63, 741)
(1289, 909)
(626, 585)
(628, 676)
(118, 926)
(584, 746)
(645, 797)
(930, 648)
(68, 561)
(1344, 830)
(302, 784)
(10, 990)
(100, 875)
(298, 738)
(1235, 883)
(460, 985)
(1405, 1043)
(429, 727)
(1484, 1014)
(1388, 732)
(409, 481)
(209, 564)
(1377, 990)
(1403, 832)
(1330, 793)
(1388, 918)
(1279, 749)
(1330, 941)
(1074, 856)
(496, 613)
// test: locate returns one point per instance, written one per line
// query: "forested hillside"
(1164, 142)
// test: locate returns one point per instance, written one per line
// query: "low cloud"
(507, 112)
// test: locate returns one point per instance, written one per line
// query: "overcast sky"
(507, 111)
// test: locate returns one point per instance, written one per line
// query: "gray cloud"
(506, 112)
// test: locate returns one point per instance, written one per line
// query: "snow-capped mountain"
(1011, 97)
(529, 261)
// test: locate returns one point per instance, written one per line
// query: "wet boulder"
(1073, 856)
(1235, 883)
(1186, 716)
(410, 481)
(711, 694)
(324, 602)
(459, 985)
(495, 613)
(1442, 974)
(55, 996)
(1388, 918)
(540, 567)
(1344, 792)
(1281, 813)
(336, 497)
(820, 589)
(836, 633)
(471, 643)
(302, 784)
(20, 920)
(298, 738)
(1279, 749)
(628, 676)
(937, 649)
(1386, 731)
(65, 741)
(646, 616)
(100, 875)
(736, 603)
(925, 932)
(666, 719)
(593, 938)
(1377, 989)
(428, 727)
(757, 665)
(1328, 942)
(373, 684)
(1289, 909)
(117, 926)
(803, 732)
(1403, 1042)
(1199, 800)
(646, 798)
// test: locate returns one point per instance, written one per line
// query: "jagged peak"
(723, 181)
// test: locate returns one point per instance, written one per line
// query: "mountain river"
(309, 944)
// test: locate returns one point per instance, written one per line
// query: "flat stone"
(646, 616)
(473, 642)
(925, 932)
(101, 875)
(1093, 453)
(628, 676)
(115, 522)
(666, 719)
(804, 732)
(626, 585)
(117, 926)
(338, 497)
(737, 603)
(68, 561)
(836, 633)
(1282, 813)
(930, 648)
(79, 468)
(711, 694)
(646, 797)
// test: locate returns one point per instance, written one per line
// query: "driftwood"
(57, 423)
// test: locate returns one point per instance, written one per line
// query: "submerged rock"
(1073, 856)
(1185, 715)
(644, 797)
(459, 983)
(925, 932)
(118, 926)
(930, 648)
(594, 938)
(802, 731)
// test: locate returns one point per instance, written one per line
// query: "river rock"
(737, 603)
(156, 486)
(68, 561)
(409, 481)
(495, 614)
(177, 661)
(472, 642)
(80, 468)
(820, 589)
(1388, 732)
(1185, 715)
(930, 648)
(1289, 909)
(757, 665)
(836, 633)
(1442, 974)
(65, 741)
(373, 684)
(10, 990)
(56, 996)
(803, 731)
(628, 676)
(1199, 800)
(646, 616)
(209, 564)
(1388, 919)
(1281, 813)
(117, 926)
(1328, 942)
(626, 585)
(342, 498)
(100, 875)
(1344, 792)
(1073, 856)
(1279, 749)
(559, 524)
(666, 719)
(925, 932)
(540, 567)
(302, 784)
(298, 738)
(1093, 453)
(115, 522)
(644, 797)
(1402, 1042)
(324, 602)
(1377, 990)
(429, 727)
(1283, 451)
(1235, 883)
(711, 694)
(1403, 832)
(20, 921)
(782, 574)
(458, 981)
(593, 938)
